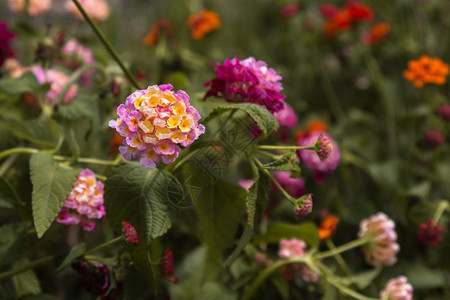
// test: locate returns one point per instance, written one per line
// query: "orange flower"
(153, 34)
(376, 34)
(340, 22)
(115, 142)
(328, 226)
(202, 23)
(426, 70)
(317, 125)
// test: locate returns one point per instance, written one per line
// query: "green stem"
(89, 160)
(283, 191)
(48, 259)
(343, 248)
(442, 207)
(267, 154)
(338, 258)
(26, 267)
(104, 245)
(107, 44)
(268, 271)
(270, 147)
(18, 150)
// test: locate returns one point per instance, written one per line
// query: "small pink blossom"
(74, 49)
(247, 80)
(130, 233)
(98, 10)
(383, 247)
(291, 248)
(85, 202)
(57, 80)
(324, 147)
(246, 183)
(35, 7)
(397, 289)
(305, 208)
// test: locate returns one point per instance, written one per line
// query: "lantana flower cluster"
(154, 122)
(383, 247)
(247, 80)
(85, 202)
(34, 8)
(57, 80)
(98, 10)
(397, 289)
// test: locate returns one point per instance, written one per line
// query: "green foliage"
(26, 283)
(13, 242)
(26, 83)
(74, 253)
(306, 231)
(287, 162)
(51, 186)
(46, 134)
(8, 197)
(79, 107)
(263, 118)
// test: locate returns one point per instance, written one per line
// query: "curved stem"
(107, 44)
(442, 207)
(342, 248)
(104, 245)
(270, 147)
(89, 160)
(267, 272)
(18, 150)
(26, 267)
(338, 258)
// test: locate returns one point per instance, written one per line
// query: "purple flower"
(247, 80)
(286, 117)
(294, 186)
(312, 160)
(85, 202)
(154, 122)
(6, 37)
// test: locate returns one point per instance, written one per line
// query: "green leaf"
(220, 208)
(43, 133)
(281, 284)
(26, 283)
(74, 253)
(287, 162)
(144, 197)
(146, 259)
(26, 83)
(8, 198)
(51, 186)
(305, 231)
(423, 277)
(13, 242)
(80, 107)
(263, 118)
(362, 280)
(256, 201)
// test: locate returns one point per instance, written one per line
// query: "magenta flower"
(130, 233)
(434, 138)
(167, 266)
(286, 117)
(383, 247)
(95, 277)
(246, 183)
(430, 233)
(294, 186)
(444, 112)
(85, 202)
(312, 160)
(74, 49)
(154, 122)
(247, 80)
(57, 80)
(6, 37)
(397, 289)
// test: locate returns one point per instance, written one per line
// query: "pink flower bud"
(130, 233)
(397, 289)
(305, 208)
(323, 147)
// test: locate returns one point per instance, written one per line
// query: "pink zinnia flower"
(397, 289)
(85, 202)
(57, 80)
(430, 233)
(294, 186)
(35, 7)
(98, 10)
(247, 80)
(383, 247)
(286, 117)
(312, 160)
(154, 123)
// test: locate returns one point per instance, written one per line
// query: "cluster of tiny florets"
(154, 122)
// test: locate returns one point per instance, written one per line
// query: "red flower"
(359, 12)
(376, 34)
(289, 10)
(430, 233)
(130, 233)
(167, 266)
